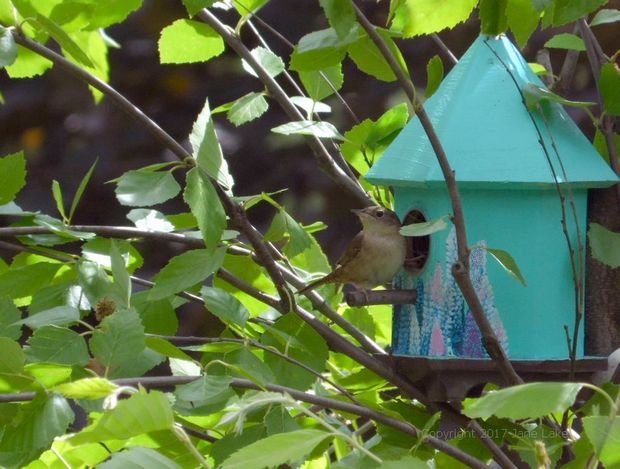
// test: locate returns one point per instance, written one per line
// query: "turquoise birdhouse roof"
(490, 137)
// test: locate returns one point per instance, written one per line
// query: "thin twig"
(446, 51)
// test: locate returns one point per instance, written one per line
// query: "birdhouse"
(511, 163)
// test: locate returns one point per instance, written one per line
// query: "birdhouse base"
(446, 379)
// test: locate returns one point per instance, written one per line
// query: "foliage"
(276, 384)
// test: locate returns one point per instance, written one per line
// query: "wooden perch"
(380, 297)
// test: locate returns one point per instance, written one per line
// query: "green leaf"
(68, 45)
(370, 60)
(9, 315)
(12, 358)
(406, 462)
(57, 193)
(53, 344)
(206, 206)
(246, 269)
(493, 19)
(320, 129)
(291, 336)
(604, 434)
(321, 49)
(272, 64)
(98, 250)
(194, 6)
(605, 16)
(34, 428)
(146, 188)
(81, 188)
(58, 316)
(523, 19)
(246, 364)
(28, 64)
(112, 12)
(247, 108)
(118, 339)
(142, 413)
(120, 274)
(225, 306)
(534, 94)
(187, 41)
(247, 7)
(21, 282)
(531, 400)
(416, 17)
(425, 228)
(137, 457)
(283, 226)
(567, 11)
(150, 220)
(166, 348)
(309, 105)
(434, 75)
(605, 245)
(158, 317)
(275, 450)
(566, 41)
(8, 48)
(340, 15)
(321, 84)
(185, 271)
(507, 262)
(206, 148)
(206, 393)
(87, 388)
(366, 141)
(12, 176)
(609, 85)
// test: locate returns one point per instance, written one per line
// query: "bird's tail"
(314, 284)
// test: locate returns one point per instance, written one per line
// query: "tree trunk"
(602, 317)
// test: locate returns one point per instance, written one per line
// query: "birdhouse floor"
(445, 379)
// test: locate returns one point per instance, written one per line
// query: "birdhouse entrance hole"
(418, 247)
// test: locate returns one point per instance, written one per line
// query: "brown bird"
(374, 255)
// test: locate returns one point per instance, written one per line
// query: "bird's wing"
(352, 250)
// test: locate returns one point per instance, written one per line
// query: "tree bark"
(602, 318)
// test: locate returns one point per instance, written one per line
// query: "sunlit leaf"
(247, 108)
(434, 75)
(605, 16)
(531, 400)
(146, 188)
(187, 41)
(276, 450)
(269, 61)
(12, 176)
(87, 388)
(319, 129)
(416, 17)
(566, 41)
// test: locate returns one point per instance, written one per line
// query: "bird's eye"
(380, 213)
